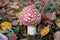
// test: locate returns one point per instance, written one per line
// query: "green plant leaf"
(48, 6)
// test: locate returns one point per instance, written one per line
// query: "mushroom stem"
(31, 30)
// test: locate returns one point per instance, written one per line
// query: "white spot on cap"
(29, 14)
(29, 18)
(26, 20)
(34, 12)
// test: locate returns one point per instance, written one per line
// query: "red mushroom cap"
(30, 16)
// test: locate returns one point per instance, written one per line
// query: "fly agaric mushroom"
(30, 16)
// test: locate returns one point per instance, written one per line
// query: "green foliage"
(24, 34)
(48, 6)
(17, 11)
(6, 16)
(58, 17)
(37, 6)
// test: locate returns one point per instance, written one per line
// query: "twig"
(44, 7)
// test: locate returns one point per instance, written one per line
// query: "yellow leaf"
(5, 25)
(14, 7)
(44, 31)
(17, 15)
(58, 22)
